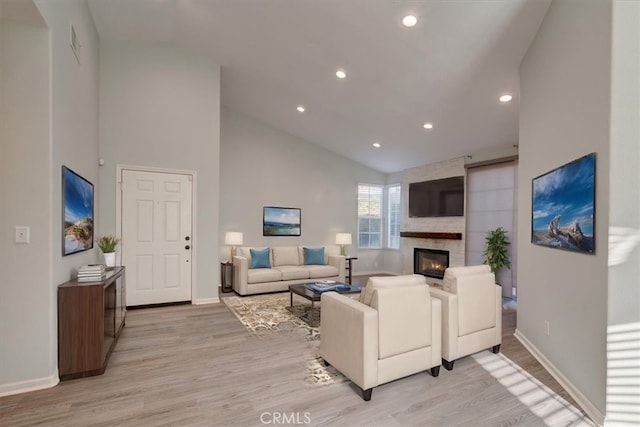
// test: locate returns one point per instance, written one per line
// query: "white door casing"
(157, 240)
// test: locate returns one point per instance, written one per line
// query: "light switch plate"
(22, 234)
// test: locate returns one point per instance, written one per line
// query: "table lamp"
(343, 239)
(233, 238)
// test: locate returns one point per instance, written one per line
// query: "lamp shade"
(343, 238)
(233, 238)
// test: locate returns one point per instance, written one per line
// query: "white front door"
(156, 236)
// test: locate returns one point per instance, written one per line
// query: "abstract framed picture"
(77, 213)
(563, 206)
(281, 221)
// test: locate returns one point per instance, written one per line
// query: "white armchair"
(471, 312)
(394, 332)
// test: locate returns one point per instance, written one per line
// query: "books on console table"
(91, 273)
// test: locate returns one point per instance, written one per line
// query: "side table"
(349, 267)
(226, 276)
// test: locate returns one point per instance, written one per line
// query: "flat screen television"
(436, 198)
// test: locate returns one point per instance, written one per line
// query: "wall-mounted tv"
(439, 197)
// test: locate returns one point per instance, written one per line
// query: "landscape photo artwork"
(77, 203)
(563, 206)
(280, 221)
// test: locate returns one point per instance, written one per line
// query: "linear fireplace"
(430, 262)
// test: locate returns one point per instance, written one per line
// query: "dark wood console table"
(91, 316)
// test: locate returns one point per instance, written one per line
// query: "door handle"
(187, 247)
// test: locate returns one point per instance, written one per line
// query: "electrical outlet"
(547, 328)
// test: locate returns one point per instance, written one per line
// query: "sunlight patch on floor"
(552, 409)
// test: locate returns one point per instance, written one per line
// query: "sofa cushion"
(285, 255)
(387, 282)
(245, 252)
(260, 258)
(318, 271)
(313, 256)
(293, 272)
(259, 275)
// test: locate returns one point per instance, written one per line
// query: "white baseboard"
(202, 301)
(588, 407)
(29, 385)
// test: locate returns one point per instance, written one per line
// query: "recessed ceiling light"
(409, 21)
(300, 108)
(377, 144)
(505, 98)
(428, 125)
(341, 74)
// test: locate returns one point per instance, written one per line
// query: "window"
(378, 206)
(370, 216)
(393, 216)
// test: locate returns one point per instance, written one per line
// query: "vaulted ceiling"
(448, 70)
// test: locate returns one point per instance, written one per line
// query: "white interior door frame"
(193, 175)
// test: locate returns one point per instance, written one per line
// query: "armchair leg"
(435, 371)
(496, 349)
(366, 394)
(448, 365)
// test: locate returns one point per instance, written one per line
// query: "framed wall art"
(77, 213)
(281, 221)
(563, 206)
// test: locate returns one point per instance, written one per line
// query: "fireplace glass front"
(430, 262)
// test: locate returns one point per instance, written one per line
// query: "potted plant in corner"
(496, 250)
(107, 245)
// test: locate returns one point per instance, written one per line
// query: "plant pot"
(110, 259)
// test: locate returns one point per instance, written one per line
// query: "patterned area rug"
(271, 313)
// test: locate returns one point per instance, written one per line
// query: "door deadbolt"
(187, 238)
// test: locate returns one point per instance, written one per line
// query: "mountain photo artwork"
(563, 206)
(77, 205)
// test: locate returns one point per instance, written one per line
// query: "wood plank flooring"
(198, 365)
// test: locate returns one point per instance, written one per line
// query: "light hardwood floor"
(198, 365)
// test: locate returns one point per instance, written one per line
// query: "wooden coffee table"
(314, 296)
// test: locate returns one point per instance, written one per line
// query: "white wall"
(54, 122)
(160, 107)
(262, 166)
(24, 191)
(624, 212)
(564, 114)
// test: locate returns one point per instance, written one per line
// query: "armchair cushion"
(388, 282)
(404, 317)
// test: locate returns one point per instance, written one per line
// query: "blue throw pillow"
(260, 258)
(313, 256)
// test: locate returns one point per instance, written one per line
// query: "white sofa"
(471, 312)
(392, 332)
(287, 267)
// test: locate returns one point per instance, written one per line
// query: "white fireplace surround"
(456, 248)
